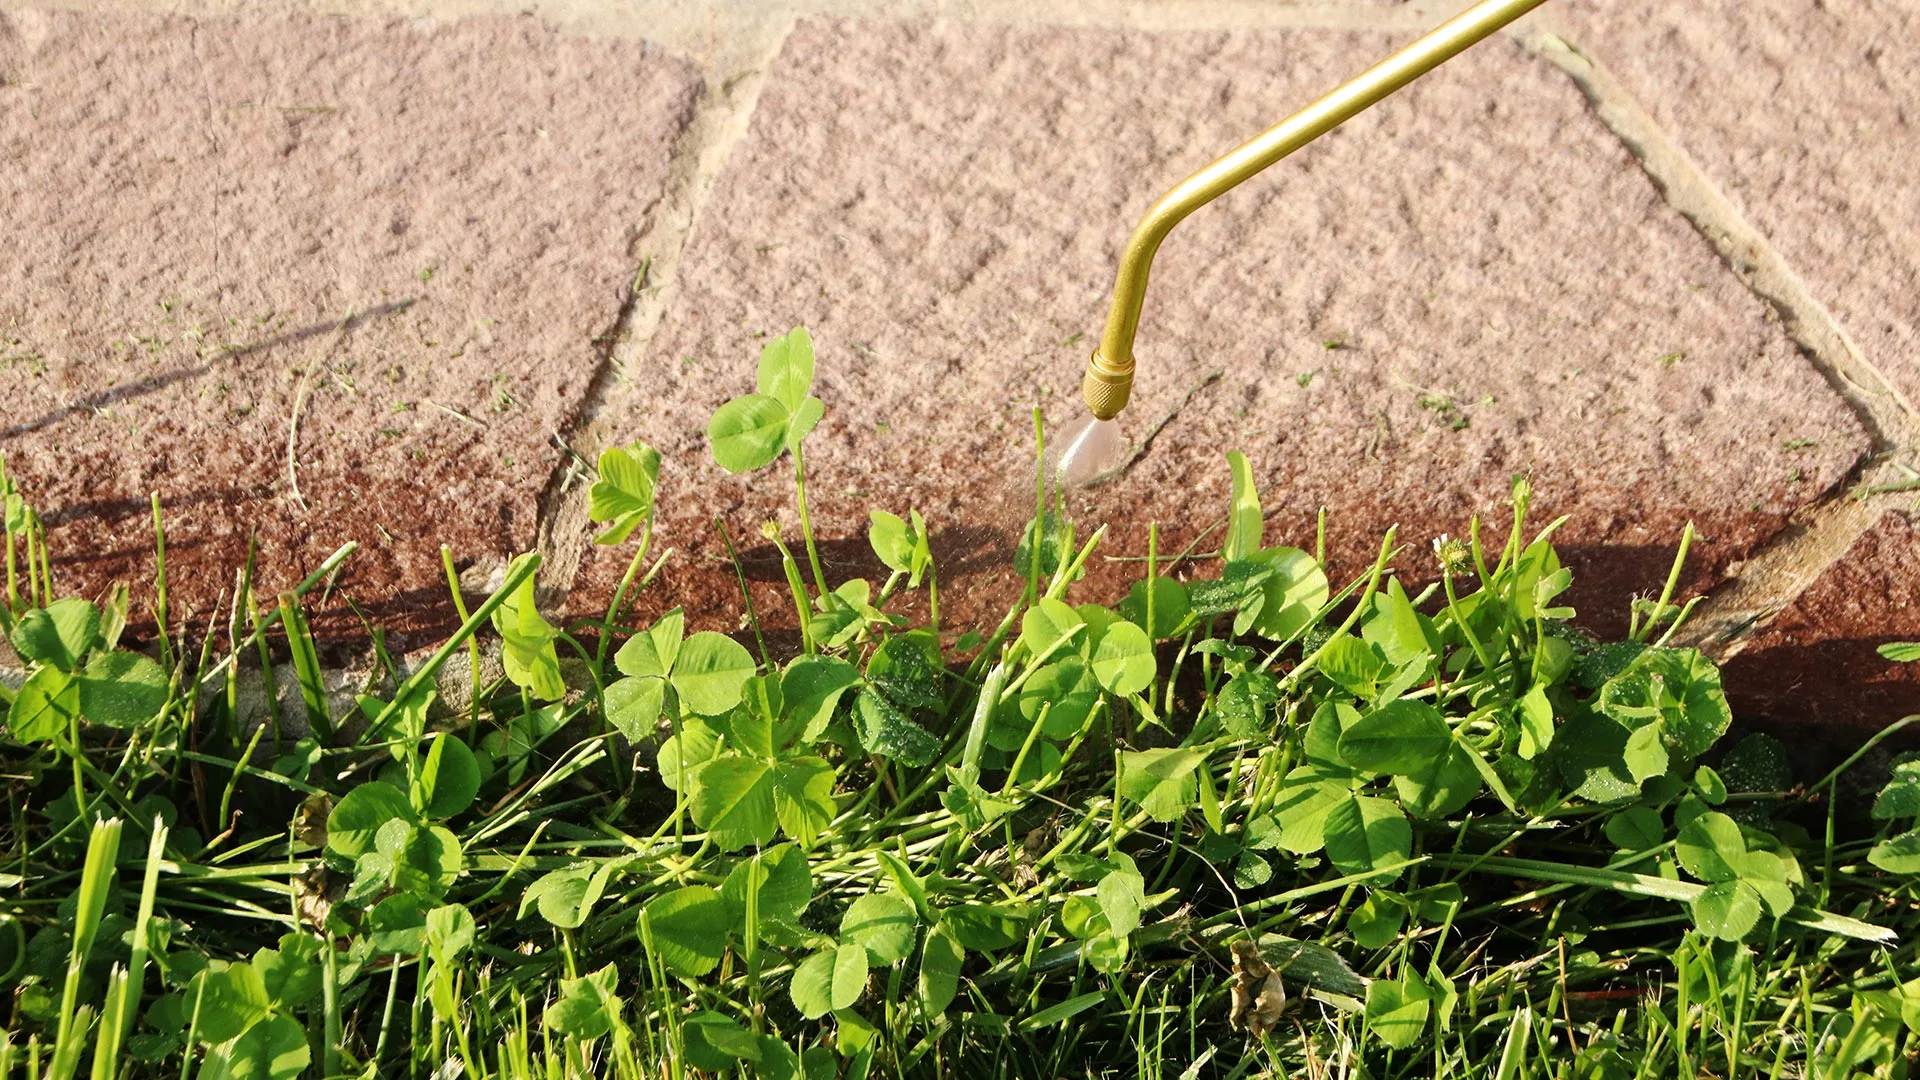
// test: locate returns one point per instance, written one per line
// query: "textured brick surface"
(1472, 280)
(406, 234)
(1818, 665)
(1806, 113)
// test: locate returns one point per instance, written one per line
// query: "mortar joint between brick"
(1888, 419)
(719, 116)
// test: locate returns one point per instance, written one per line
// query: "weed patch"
(1253, 822)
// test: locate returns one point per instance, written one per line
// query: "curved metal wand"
(1109, 380)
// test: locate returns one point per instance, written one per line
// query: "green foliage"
(357, 819)
(58, 635)
(623, 496)
(1899, 800)
(829, 980)
(904, 547)
(667, 673)
(749, 432)
(688, 928)
(78, 676)
(1452, 827)
(527, 641)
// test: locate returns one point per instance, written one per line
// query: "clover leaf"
(527, 641)
(750, 431)
(624, 493)
(706, 672)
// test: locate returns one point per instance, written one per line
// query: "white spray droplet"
(1092, 448)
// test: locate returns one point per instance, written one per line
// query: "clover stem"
(620, 594)
(33, 567)
(1446, 581)
(933, 599)
(1039, 505)
(160, 583)
(1660, 608)
(331, 1034)
(13, 574)
(7, 502)
(1153, 572)
(806, 525)
(46, 565)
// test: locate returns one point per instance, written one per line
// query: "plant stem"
(1373, 582)
(160, 583)
(1473, 640)
(753, 617)
(103, 850)
(1153, 574)
(473, 649)
(46, 563)
(620, 594)
(806, 524)
(1039, 505)
(7, 498)
(1673, 581)
(33, 564)
(426, 671)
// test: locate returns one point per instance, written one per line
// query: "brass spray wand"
(1109, 379)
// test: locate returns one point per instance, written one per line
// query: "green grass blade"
(103, 850)
(1657, 888)
(123, 996)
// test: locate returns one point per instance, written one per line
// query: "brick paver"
(1473, 280)
(1806, 113)
(410, 245)
(1817, 666)
(406, 234)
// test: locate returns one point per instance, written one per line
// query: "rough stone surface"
(1472, 280)
(1806, 113)
(1817, 665)
(397, 240)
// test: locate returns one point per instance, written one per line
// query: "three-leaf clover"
(624, 493)
(750, 431)
(704, 674)
(1742, 881)
(78, 674)
(1899, 799)
(742, 757)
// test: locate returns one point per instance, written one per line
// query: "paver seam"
(1746, 250)
(720, 119)
(1819, 536)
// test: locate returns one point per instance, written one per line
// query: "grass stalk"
(427, 671)
(70, 1039)
(746, 595)
(473, 644)
(124, 990)
(161, 625)
(306, 668)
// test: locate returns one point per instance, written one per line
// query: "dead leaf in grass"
(1258, 996)
(314, 895)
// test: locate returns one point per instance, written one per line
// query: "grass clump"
(1253, 823)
